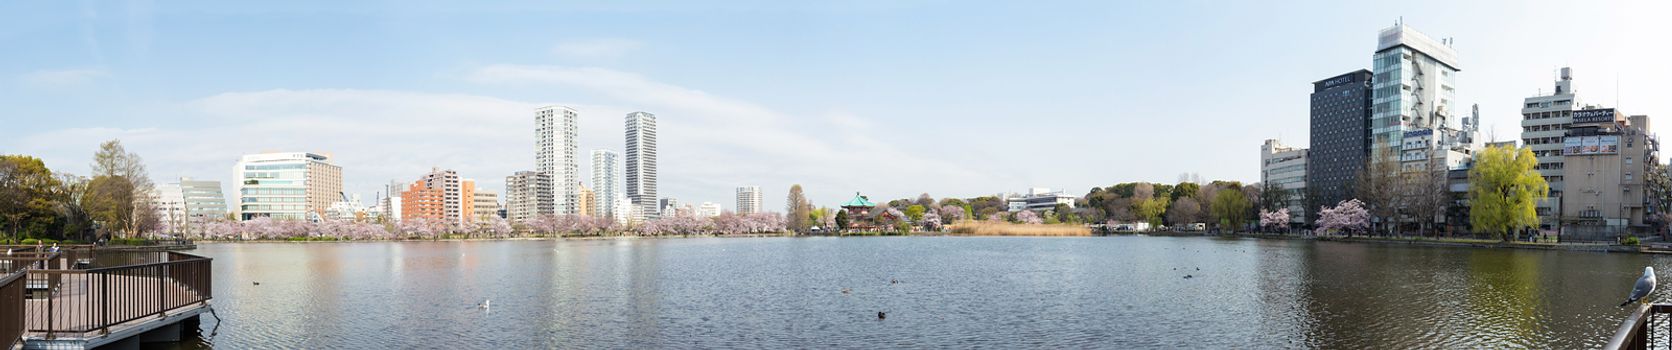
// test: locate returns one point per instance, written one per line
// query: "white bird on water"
(1645, 286)
(484, 304)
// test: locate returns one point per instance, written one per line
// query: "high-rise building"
(528, 195)
(641, 162)
(467, 201)
(668, 205)
(420, 201)
(606, 182)
(1544, 124)
(555, 146)
(392, 201)
(1284, 168)
(453, 195)
(586, 201)
(1413, 88)
(1606, 158)
(291, 185)
(748, 200)
(486, 205)
(170, 204)
(182, 203)
(1340, 143)
(203, 198)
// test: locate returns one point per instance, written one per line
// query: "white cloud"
(377, 136)
(595, 48)
(62, 78)
(710, 143)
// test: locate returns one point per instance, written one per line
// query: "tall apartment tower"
(1544, 122)
(447, 181)
(606, 182)
(748, 200)
(641, 163)
(290, 185)
(555, 147)
(1340, 138)
(528, 195)
(1413, 88)
(487, 205)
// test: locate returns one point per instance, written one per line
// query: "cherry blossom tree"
(952, 214)
(932, 221)
(1029, 217)
(1349, 217)
(1275, 219)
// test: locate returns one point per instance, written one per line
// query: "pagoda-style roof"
(859, 201)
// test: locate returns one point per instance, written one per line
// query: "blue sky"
(892, 98)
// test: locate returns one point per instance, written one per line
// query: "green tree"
(1063, 213)
(109, 201)
(1150, 209)
(1231, 207)
(27, 205)
(915, 212)
(1504, 190)
(1183, 189)
(842, 220)
(76, 222)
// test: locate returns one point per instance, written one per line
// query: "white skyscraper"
(641, 162)
(748, 200)
(1413, 88)
(555, 148)
(606, 181)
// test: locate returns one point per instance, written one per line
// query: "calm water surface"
(960, 292)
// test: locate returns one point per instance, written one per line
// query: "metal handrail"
(129, 266)
(90, 300)
(1634, 331)
(12, 324)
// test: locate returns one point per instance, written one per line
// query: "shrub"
(1631, 241)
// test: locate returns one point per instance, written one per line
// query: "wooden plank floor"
(77, 306)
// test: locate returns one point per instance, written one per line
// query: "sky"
(888, 98)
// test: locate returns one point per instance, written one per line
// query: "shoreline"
(1414, 241)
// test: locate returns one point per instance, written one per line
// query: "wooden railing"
(1648, 327)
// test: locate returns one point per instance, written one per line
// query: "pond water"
(959, 292)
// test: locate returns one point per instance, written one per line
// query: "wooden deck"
(81, 305)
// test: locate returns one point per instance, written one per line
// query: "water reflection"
(1008, 292)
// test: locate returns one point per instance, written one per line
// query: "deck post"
(49, 318)
(104, 302)
(162, 302)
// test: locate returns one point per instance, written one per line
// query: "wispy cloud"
(596, 48)
(711, 143)
(62, 78)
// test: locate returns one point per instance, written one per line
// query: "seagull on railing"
(1645, 286)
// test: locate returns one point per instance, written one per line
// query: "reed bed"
(988, 228)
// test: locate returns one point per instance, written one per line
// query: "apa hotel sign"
(1588, 116)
